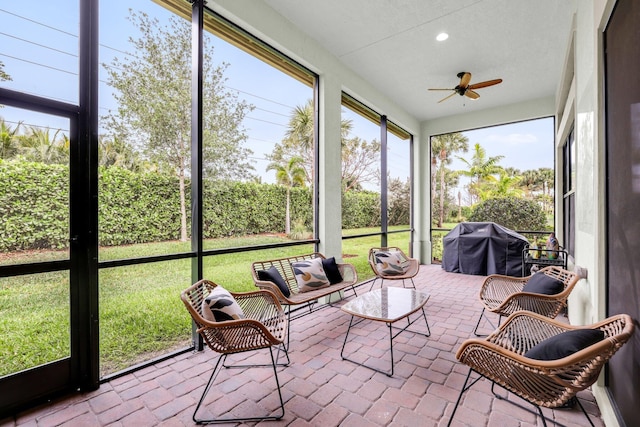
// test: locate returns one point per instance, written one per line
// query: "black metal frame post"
(197, 44)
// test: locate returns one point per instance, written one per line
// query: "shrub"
(360, 209)
(510, 212)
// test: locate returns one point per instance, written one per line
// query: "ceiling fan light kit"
(466, 89)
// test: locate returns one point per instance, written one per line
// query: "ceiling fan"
(464, 88)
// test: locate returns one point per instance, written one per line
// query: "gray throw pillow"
(540, 283)
(564, 344)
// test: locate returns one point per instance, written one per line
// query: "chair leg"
(214, 374)
(475, 330)
(484, 314)
(288, 329)
(465, 387)
(584, 412)
(544, 420)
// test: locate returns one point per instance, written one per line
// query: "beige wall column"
(330, 205)
(422, 198)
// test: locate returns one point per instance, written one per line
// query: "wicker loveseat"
(296, 297)
(283, 265)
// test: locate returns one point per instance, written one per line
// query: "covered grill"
(483, 248)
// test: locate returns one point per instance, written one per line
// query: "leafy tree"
(512, 212)
(290, 174)
(442, 148)
(480, 168)
(153, 91)
(3, 74)
(399, 202)
(359, 162)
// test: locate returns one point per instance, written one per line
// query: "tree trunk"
(183, 208)
(433, 180)
(442, 193)
(287, 223)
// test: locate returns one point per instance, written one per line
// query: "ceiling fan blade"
(440, 89)
(485, 84)
(471, 94)
(465, 78)
(447, 97)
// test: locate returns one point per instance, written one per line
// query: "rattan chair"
(264, 327)
(543, 383)
(503, 295)
(412, 266)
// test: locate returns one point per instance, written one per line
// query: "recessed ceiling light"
(442, 37)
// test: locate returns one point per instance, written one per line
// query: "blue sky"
(38, 46)
(524, 145)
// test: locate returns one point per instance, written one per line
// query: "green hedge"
(34, 200)
(141, 208)
(137, 208)
(360, 209)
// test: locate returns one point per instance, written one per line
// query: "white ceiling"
(391, 44)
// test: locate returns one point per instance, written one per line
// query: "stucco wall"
(587, 303)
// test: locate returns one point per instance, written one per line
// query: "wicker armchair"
(413, 266)
(549, 383)
(504, 295)
(264, 326)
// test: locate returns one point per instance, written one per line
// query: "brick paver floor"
(318, 387)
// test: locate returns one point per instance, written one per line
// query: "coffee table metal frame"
(392, 293)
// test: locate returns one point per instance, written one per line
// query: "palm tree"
(547, 179)
(529, 182)
(300, 136)
(8, 140)
(480, 168)
(38, 145)
(116, 152)
(504, 186)
(442, 147)
(289, 174)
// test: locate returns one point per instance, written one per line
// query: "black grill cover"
(483, 248)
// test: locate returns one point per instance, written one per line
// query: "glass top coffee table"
(388, 305)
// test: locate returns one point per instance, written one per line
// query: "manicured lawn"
(141, 315)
